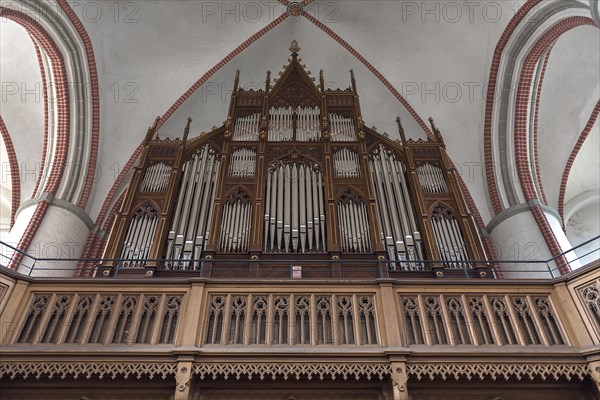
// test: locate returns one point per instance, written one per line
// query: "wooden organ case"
(294, 185)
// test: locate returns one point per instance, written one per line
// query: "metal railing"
(29, 263)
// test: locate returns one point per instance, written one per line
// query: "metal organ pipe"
(342, 128)
(354, 226)
(321, 208)
(431, 179)
(156, 178)
(449, 240)
(189, 231)
(237, 219)
(346, 163)
(242, 163)
(139, 237)
(295, 218)
(399, 229)
(280, 126)
(247, 128)
(308, 126)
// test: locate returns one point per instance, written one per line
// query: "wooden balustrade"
(303, 314)
(202, 329)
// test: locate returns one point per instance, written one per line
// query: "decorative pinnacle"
(236, 81)
(321, 80)
(432, 123)
(152, 133)
(400, 129)
(268, 82)
(186, 131)
(437, 133)
(294, 48)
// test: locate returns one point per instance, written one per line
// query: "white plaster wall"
(563, 241)
(583, 226)
(518, 238)
(585, 171)
(570, 91)
(61, 235)
(21, 102)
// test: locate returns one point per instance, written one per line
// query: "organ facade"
(295, 173)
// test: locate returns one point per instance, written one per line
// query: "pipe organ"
(294, 174)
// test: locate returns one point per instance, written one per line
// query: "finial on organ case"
(294, 48)
(152, 133)
(268, 82)
(186, 131)
(321, 80)
(236, 81)
(353, 80)
(436, 133)
(401, 130)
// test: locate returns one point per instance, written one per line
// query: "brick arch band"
(48, 32)
(15, 180)
(48, 46)
(521, 139)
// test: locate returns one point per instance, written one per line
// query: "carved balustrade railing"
(205, 313)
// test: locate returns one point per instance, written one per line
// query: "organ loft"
(295, 184)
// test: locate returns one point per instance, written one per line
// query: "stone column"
(62, 234)
(517, 237)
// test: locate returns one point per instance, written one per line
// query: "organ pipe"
(294, 213)
(247, 128)
(308, 126)
(431, 179)
(341, 128)
(281, 125)
(235, 230)
(346, 163)
(242, 163)
(353, 224)
(281, 128)
(189, 231)
(400, 234)
(449, 239)
(156, 178)
(138, 239)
